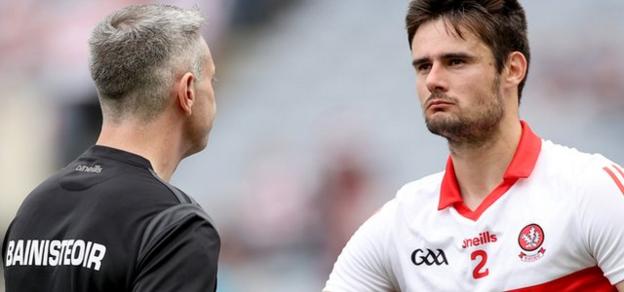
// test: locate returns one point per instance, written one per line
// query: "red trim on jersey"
(521, 166)
(615, 178)
(619, 169)
(590, 279)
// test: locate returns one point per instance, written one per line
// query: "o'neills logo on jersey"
(483, 238)
(89, 169)
(530, 240)
(69, 252)
(429, 257)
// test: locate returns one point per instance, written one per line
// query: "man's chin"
(441, 120)
(442, 124)
(440, 117)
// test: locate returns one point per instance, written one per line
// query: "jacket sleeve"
(601, 217)
(363, 265)
(179, 252)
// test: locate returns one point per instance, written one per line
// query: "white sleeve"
(363, 264)
(602, 219)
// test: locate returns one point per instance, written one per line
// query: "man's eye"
(455, 62)
(423, 67)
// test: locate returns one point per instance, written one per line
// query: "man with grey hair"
(110, 221)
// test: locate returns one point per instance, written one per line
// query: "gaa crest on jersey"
(530, 239)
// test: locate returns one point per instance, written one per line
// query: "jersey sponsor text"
(483, 238)
(67, 252)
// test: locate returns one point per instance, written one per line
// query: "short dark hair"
(134, 53)
(500, 24)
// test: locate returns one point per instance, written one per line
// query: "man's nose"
(437, 79)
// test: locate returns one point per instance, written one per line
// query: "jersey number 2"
(478, 271)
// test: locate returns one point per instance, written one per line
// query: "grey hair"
(136, 52)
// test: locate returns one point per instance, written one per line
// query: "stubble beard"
(472, 128)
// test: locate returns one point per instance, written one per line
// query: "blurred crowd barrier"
(318, 123)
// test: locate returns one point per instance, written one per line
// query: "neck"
(480, 168)
(152, 140)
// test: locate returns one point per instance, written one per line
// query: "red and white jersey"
(555, 223)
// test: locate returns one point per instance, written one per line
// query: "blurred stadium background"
(318, 122)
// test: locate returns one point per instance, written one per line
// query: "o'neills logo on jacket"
(483, 238)
(89, 169)
(67, 252)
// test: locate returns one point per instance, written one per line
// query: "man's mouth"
(438, 104)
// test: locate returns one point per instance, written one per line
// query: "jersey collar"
(521, 166)
(119, 155)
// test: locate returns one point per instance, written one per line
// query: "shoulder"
(578, 178)
(421, 193)
(120, 194)
(178, 241)
(141, 185)
(410, 199)
(569, 166)
(423, 186)
(181, 222)
(590, 188)
(130, 193)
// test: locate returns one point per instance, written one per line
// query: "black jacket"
(106, 222)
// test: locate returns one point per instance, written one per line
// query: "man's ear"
(186, 93)
(516, 68)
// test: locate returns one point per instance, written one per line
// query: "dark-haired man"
(511, 211)
(110, 221)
